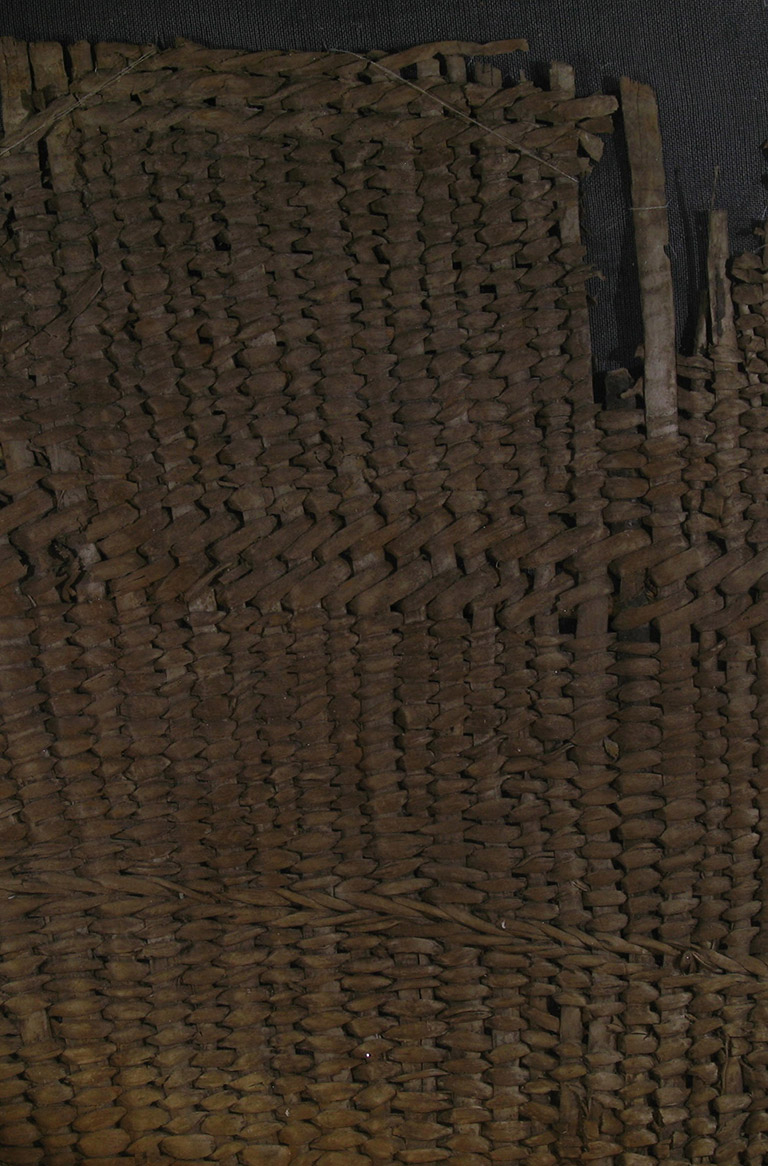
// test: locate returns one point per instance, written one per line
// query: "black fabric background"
(706, 59)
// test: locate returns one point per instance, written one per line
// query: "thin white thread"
(458, 112)
(661, 206)
(44, 126)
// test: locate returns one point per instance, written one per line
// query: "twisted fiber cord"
(513, 934)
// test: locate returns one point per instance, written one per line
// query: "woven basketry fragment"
(382, 713)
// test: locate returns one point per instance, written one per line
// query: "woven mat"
(383, 714)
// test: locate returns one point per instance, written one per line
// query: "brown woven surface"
(384, 720)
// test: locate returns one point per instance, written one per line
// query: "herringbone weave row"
(384, 716)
